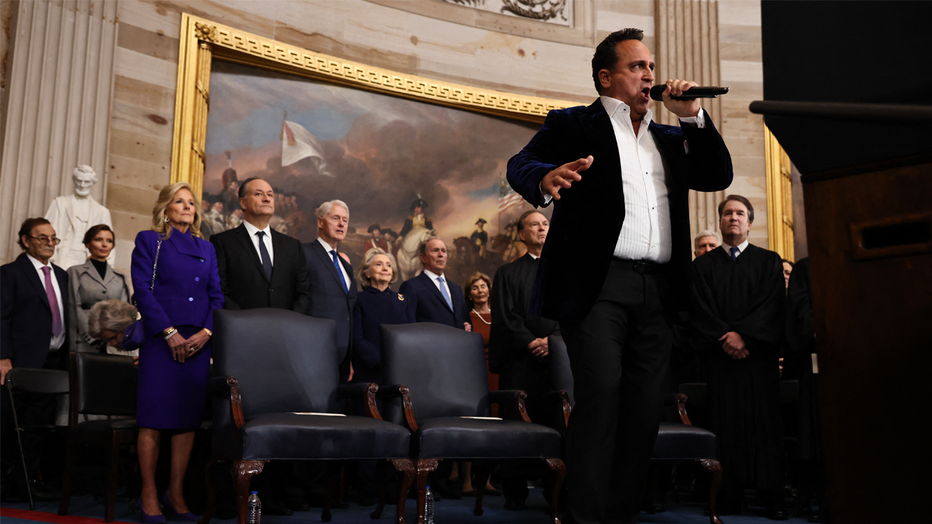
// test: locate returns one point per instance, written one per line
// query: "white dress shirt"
(646, 233)
(328, 248)
(741, 247)
(433, 278)
(266, 239)
(60, 339)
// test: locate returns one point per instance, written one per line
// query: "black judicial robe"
(513, 328)
(746, 296)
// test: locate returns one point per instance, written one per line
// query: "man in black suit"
(435, 299)
(34, 331)
(616, 262)
(332, 286)
(260, 267)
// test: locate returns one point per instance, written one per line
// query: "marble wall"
(434, 39)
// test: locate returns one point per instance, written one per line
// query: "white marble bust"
(72, 215)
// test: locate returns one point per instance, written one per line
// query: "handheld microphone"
(656, 92)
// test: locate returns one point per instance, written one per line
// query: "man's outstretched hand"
(564, 176)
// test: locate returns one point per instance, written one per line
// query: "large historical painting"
(384, 156)
(410, 156)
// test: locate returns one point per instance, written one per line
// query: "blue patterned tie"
(443, 291)
(264, 254)
(734, 253)
(336, 264)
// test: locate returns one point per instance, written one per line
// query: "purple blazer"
(187, 283)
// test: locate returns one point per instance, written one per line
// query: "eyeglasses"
(46, 239)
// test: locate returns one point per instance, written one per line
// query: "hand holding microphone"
(682, 96)
(656, 92)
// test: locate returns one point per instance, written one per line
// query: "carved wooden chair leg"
(715, 468)
(424, 467)
(211, 482)
(558, 466)
(243, 471)
(410, 472)
(483, 470)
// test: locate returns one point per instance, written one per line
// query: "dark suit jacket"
(243, 279)
(327, 299)
(588, 217)
(26, 329)
(429, 305)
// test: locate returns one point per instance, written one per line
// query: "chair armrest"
(511, 395)
(679, 399)
(400, 390)
(360, 389)
(564, 398)
(229, 385)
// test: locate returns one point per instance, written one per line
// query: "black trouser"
(619, 354)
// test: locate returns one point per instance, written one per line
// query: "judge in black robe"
(513, 328)
(744, 294)
(519, 348)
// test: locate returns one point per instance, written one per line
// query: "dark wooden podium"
(847, 91)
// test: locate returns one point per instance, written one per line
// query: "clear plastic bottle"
(429, 507)
(254, 508)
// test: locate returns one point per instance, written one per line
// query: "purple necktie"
(53, 301)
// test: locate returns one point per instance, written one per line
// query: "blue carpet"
(446, 512)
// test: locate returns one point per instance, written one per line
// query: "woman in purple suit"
(177, 289)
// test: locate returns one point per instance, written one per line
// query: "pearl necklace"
(480, 316)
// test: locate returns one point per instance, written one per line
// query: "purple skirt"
(171, 395)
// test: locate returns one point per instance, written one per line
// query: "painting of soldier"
(401, 165)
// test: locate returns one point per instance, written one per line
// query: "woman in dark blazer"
(92, 282)
(376, 304)
(177, 290)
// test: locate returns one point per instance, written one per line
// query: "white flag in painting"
(298, 143)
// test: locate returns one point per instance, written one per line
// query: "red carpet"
(42, 516)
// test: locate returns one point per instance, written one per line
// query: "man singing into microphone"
(614, 287)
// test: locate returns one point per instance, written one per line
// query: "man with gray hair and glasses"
(332, 287)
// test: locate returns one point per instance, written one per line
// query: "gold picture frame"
(779, 198)
(202, 40)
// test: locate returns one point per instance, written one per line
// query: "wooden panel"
(875, 346)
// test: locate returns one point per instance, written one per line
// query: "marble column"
(687, 47)
(58, 111)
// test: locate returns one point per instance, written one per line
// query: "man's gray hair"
(705, 233)
(325, 208)
(87, 170)
(422, 249)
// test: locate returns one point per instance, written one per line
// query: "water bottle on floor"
(429, 507)
(254, 511)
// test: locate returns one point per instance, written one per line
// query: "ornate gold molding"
(779, 197)
(202, 40)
